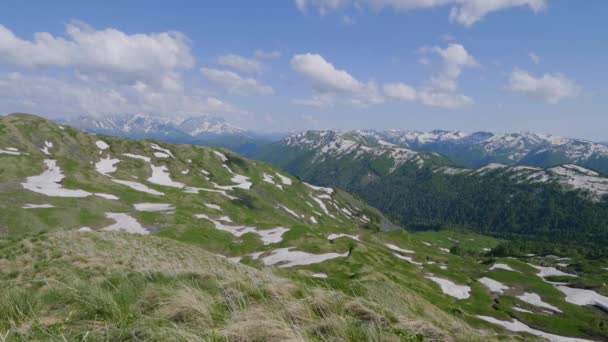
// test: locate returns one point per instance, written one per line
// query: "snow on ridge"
(137, 156)
(502, 267)
(333, 236)
(163, 150)
(398, 249)
(222, 156)
(284, 180)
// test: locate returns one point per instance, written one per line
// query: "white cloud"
(440, 90)
(108, 54)
(400, 91)
(550, 88)
(68, 97)
(267, 54)
(465, 12)
(534, 58)
(240, 63)
(428, 97)
(471, 11)
(455, 57)
(236, 84)
(328, 82)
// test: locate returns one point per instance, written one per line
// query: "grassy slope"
(65, 283)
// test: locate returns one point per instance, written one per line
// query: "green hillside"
(115, 239)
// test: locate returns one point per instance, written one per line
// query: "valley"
(111, 238)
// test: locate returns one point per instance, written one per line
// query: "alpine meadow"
(304, 170)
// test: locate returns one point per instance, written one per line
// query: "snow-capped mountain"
(480, 148)
(157, 127)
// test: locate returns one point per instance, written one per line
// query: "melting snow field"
(452, 289)
(164, 151)
(502, 267)
(138, 187)
(102, 145)
(10, 150)
(45, 149)
(332, 237)
(153, 207)
(550, 271)
(106, 166)
(288, 258)
(37, 206)
(160, 176)
(398, 249)
(212, 206)
(517, 326)
(407, 258)
(267, 236)
(583, 297)
(125, 223)
(48, 182)
(284, 180)
(493, 285)
(534, 299)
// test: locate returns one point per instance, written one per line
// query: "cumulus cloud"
(550, 88)
(328, 81)
(108, 54)
(440, 89)
(455, 57)
(61, 97)
(428, 97)
(236, 84)
(464, 12)
(240, 63)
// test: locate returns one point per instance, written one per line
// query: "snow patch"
(138, 187)
(37, 206)
(45, 149)
(551, 271)
(502, 267)
(222, 156)
(398, 249)
(493, 285)
(137, 156)
(212, 206)
(102, 145)
(153, 207)
(450, 288)
(284, 180)
(164, 150)
(319, 275)
(285, 257)
(534, 299)
(48, 183)
(267, 236)
(106, 166)
(332, 237)
(107, 196)
(126, 223)
(160, 176)
(583, 297)
(517, 326)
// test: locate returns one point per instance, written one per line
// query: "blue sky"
(513, 65)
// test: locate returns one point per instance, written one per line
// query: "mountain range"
(108, 238)
(425, 190)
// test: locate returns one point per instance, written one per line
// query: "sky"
(500, 66)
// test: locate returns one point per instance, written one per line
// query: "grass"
(112, 286)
